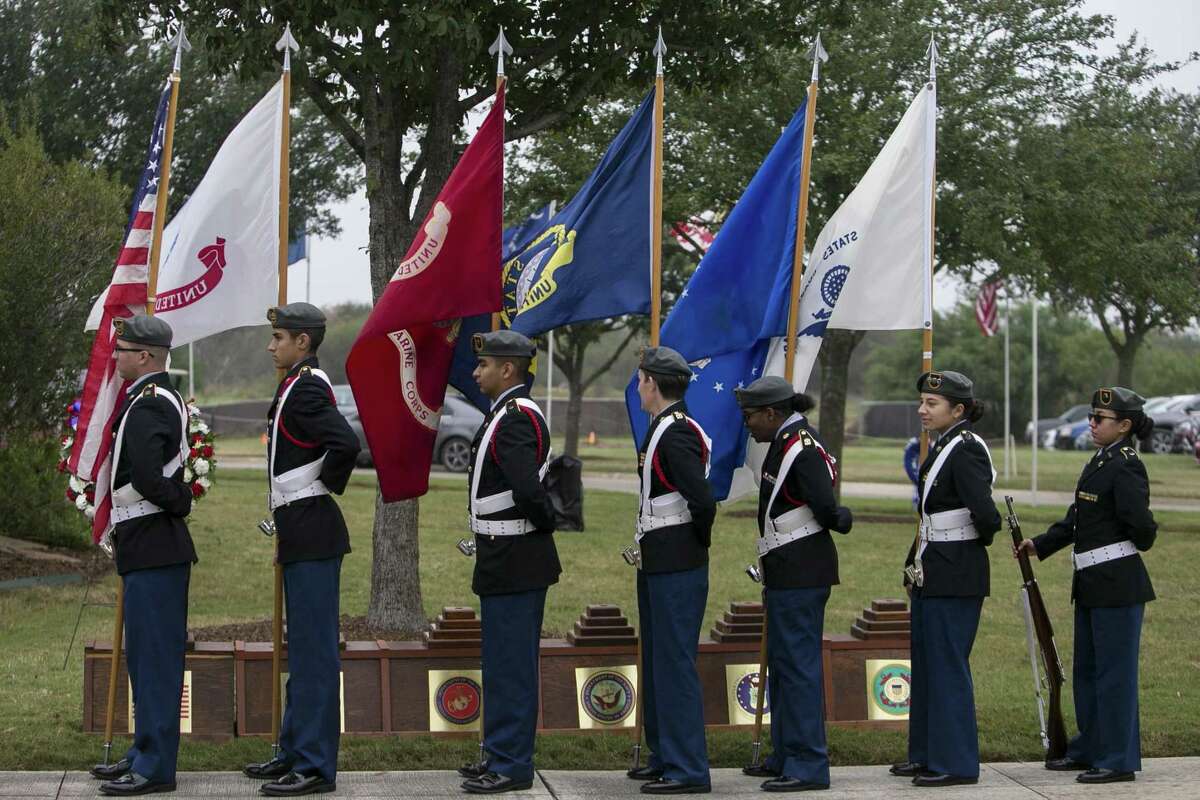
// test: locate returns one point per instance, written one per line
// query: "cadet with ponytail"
(1107, 525)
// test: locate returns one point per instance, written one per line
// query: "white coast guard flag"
(220, 253)
(870, 268)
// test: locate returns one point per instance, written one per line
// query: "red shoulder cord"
(536, 429)
(283, 429)
(658, 470)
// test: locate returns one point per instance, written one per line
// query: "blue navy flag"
(515, 239)
(735, 303)
(593, 259)
(298, 249)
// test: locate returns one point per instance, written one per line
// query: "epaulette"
(511, 405)
(968, 436)
(805, 439)
(151, 390)
(304, 371)
(679, 416)
(1128, 452)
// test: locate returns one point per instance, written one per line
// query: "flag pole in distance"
(181, 43)
(287, 43)
(660, 50)
(499, 48)
(818, 55)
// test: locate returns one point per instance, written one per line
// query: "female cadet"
(1109, 522)
(947, 575)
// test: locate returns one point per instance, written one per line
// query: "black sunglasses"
(1097, 417)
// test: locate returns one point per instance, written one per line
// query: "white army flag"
(219, 263)
(871, 266)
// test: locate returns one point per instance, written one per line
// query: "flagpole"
(1037, 436)
(927, 333)
(810, 116)
(499, 49)
(1008, 454)
(660, 49)
(287, 43)
(181, 43)
(818, 54)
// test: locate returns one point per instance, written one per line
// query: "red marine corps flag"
(400, 363)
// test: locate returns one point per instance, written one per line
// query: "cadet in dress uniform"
(796, 511)
(154, 553)
(512, 518)
(674, 531)
(311, 451)
(1109, 522)
(948, 576)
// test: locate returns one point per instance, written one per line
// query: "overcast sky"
(340, 270)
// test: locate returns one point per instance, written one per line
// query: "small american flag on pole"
(985, 308)
(125, 296)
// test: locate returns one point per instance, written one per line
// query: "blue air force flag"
(592, 260)
(735, 304)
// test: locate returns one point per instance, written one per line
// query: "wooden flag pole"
(810, 117)
(287, 43)
(660, 50)
(499, 48)
(160, 212)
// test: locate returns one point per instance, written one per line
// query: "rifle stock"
(1055, 735)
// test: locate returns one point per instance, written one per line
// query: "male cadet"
(154, 553)
(674, 530)
(311, 452)
(796, 511)
(515, 559)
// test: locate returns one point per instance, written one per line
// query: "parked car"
(1187, 436)
(1047, 426)
(456, 429)
(1167, 416)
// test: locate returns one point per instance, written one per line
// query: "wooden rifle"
(1049, 675)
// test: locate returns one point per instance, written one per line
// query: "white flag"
(220, 254)
(871, 266)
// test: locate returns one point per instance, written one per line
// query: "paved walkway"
(1162, 779)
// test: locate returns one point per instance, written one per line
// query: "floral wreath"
(198, 468)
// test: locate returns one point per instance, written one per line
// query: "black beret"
(664, 361)
(509, 344)
(1118, 398)
(766, 391)
(143, 329)
(296, 317)
(950, 384)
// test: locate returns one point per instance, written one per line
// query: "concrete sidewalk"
(1161, 779)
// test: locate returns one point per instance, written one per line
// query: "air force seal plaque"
(742, 686)
(607, 696)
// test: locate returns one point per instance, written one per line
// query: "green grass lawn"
(40, 705)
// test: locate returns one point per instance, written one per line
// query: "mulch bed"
(90, 563)
(354, 629)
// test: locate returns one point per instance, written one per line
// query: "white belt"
(948, 526)
(795, 524)
(142, 508)
(280, 498)
(501, 527)
(665, 510)
(1100, 555)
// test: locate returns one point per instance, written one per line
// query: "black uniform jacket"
(311, 528)
(508, 564)
(959, 569)
(678, 466)
(811, 561)
(1112, 504)
(152, 436)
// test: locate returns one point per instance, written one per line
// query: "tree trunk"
(574, 415)
(835, 374)
(1126, 358)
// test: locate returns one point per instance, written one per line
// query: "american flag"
(125, 296)
(985, 308)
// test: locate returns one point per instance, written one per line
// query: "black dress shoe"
(294, 784)
(495, 783)
(1104, 776)
(473, 770)
(782, 784)
(277, 767)
(131, 783)
(932, 779)
(760, 771)
(668, 786)
(646, 773)
(907, 769)
(1066, 765)
(110, 772)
